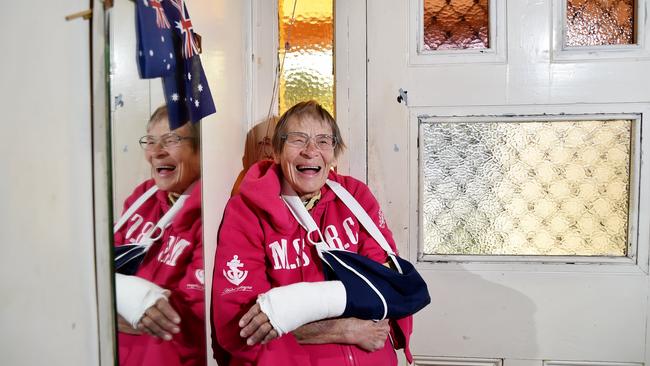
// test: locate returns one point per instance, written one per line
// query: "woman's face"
(173, 168)
(306, 168)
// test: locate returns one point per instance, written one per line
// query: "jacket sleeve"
(239, 277)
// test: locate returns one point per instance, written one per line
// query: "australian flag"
(186, 90)
(155, 40)
(165, 30)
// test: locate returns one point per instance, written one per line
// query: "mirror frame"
(102, 190)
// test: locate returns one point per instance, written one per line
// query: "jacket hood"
(260, 191)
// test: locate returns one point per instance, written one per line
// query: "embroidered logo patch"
(200, 276)
(234, 275)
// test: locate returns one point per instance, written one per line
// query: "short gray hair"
(161, 114)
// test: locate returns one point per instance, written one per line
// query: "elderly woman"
(160, 300)
(261, 246)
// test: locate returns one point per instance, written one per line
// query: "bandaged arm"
(289, 307)
(134, 295)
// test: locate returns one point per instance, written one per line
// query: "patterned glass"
(526, 188)
(599, 22)
(456, 24)
(307, 44)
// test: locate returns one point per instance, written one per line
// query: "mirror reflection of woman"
(161, 305)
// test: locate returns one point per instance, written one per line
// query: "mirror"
(160, 295)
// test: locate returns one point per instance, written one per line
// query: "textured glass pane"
(599, 22)
(455, 24)
(307, 44)
(526, 188)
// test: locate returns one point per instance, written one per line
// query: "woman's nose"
(310, 149)
(158, 150)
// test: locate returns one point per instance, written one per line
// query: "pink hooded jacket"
(261, 245)
(175, 262)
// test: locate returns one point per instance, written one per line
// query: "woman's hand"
(160, 320)
(256, 327)
(365, 334)
(125, 327)
(368, 334)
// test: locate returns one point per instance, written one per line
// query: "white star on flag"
(150, 52)
(175, 97)
(189, 76)
(196, 103)
(200, 87)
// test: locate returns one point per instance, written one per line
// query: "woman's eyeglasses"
(300, 140)
(168, 140)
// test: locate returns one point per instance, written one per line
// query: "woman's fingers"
(270, 336)
(160, 320)
(256, 327)
(170, 315)
(250, 314)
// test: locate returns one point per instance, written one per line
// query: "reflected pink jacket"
(174, 262)
(261, 246)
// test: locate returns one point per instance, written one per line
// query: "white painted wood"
(350, 84)
(102, 204)
(451, 361)
(48, 309)
(226, 58)
(521, 309)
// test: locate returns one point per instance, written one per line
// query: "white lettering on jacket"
(347, 226)
(174, 248)
(137, 222)
(280, 254)
(285, 258)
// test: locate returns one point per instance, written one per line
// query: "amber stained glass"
(456, 24)
(306, 42)
(526, 188)
(599, 22)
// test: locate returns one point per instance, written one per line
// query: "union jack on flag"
(184, 25)
(186, 90)
(161, 18)
(156, 56)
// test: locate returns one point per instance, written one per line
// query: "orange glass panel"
(599, 22)
(456, 24)
(306, 45)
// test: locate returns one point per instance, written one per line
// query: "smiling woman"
(158, 232)
(262, 246)
(159, 254)
(174, 156)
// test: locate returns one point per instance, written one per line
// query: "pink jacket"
(261, 246)
(175, 262)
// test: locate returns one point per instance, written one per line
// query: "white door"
(514, 177)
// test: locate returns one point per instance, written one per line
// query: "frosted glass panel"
(307, 44)
(455, 24)
(526, 188)
(599, 22)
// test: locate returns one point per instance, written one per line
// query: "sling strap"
(137, 249)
